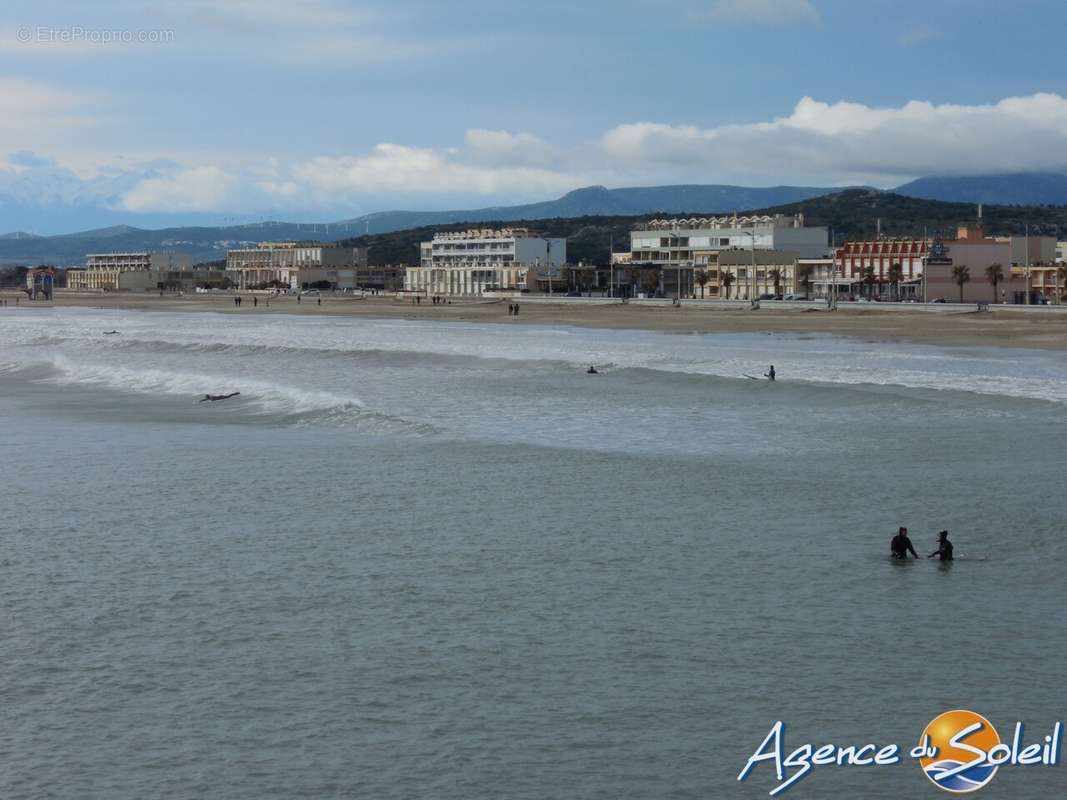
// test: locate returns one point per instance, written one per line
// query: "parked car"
(766, 297)
(793, 296)
(311, 293)
(937, 300)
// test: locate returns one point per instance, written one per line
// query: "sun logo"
(957, 747)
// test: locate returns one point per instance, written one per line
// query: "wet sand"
(948, 327)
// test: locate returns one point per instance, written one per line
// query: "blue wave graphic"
(966, 781)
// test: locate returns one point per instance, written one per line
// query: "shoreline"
(950, 328)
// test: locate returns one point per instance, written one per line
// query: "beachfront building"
(471, 262)
(821, 279)
(753, 274)
(683, 245)
(293, 265)
(115, 271)
(886, 268)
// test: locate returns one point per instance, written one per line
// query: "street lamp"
(752, 294)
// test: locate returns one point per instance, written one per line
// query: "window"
(724, 242)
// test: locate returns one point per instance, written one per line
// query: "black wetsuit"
(901, 546)
(214, 397)
(944, 550)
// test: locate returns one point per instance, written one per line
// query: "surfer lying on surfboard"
(214, 397)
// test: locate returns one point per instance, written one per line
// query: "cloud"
(207, 188)
(768, 12)
(503, 147)
(917, 35)
(394, 168)
(841, 141)
(818, 142)
(27, 158)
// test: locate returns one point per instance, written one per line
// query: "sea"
(426, 559)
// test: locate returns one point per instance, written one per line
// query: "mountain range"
(209, 243)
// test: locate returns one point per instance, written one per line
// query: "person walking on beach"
(901, 545)
(944, 547)
(255, 302)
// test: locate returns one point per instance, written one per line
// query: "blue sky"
(323, 109)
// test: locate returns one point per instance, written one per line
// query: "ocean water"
(438, 560)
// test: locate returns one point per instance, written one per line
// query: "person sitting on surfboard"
(214, 397)
(769, 375)
(901, 545)
(944, 547)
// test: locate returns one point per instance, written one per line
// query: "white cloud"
(819, 143)
(207, 188)
(842, 141)
(393, 168)
(770, 12)
(503, 147)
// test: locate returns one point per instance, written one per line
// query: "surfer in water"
(901, 545)
(769, 374)
(944, 547)
(591, 371)
(214, 397)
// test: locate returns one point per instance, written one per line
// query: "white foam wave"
(257, 397)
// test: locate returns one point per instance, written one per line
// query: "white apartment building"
(290, 264)
(103, 270)
(697, 241)
(478, 260)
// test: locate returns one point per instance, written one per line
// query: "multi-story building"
(289, 265)
(681, 246)
(881, 256)
(107, 271)
(479, 260)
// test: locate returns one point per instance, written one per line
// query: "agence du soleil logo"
(959, 751)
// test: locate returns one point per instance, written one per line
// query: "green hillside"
(849, 214)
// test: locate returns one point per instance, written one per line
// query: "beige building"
(108, 271)
(752, 274)
(290, 265)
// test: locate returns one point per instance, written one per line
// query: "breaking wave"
(258, 398)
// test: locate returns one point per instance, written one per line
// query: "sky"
(240, 110)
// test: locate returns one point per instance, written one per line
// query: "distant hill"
(853, 213)
(599, 201)
(848, 213)
(1025, 189)
(203, 244)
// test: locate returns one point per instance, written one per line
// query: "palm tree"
(650, 281)
(961, 275)
(896, 275)
(701, 277)
(776, 274)
(869, 279)
(726, 279)
(805, 278)
(994, 273)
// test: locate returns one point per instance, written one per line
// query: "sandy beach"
(964, 327)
